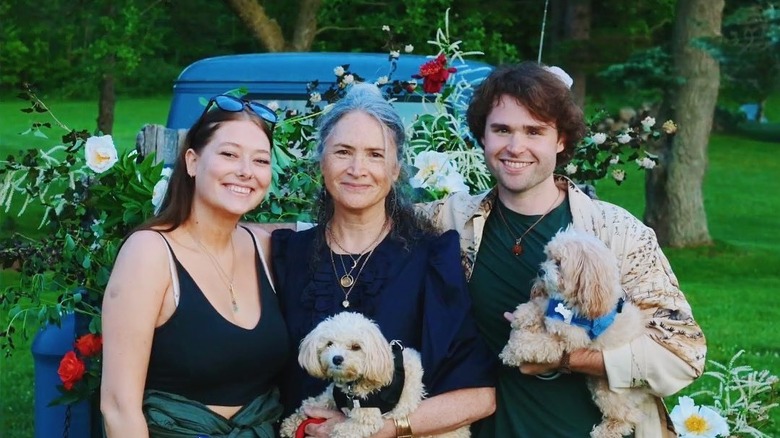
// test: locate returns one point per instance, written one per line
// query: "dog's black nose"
(337, 360)
(540, 273)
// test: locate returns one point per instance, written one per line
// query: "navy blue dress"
(417, 295)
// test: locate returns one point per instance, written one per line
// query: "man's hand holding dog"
(581, 360)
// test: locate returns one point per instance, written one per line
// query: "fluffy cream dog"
(365, 371)
(577, 302)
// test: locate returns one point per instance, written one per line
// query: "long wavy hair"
(407, 224)
(176, 206)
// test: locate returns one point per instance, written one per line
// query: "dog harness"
(386, 397)
(557, 309)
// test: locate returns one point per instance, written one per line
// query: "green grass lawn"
(730, 285)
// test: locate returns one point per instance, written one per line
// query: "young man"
(526, 121)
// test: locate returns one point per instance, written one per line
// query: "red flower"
(434, 74)
(89, 345)
(71, 370)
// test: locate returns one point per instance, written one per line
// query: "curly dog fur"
(349, 350)
(582, 272)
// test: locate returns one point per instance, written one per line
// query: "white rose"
(570, 168)
(348, 79)
(408, 48)
(315, 97)
(599, 137)
(614, 160)
(647, 163)
(100, 153)
(158, 193)
(382, 80)
(338, 71)
(385, 28)
(623, 138)
(395, 54)
(273, 105)
(648, 123)
(619, 175)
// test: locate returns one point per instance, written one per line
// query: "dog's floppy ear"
(379, 357)
(309, 353)
(595, 276)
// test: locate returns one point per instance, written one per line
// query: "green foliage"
(749, 51)
(645, 76)
(89, 206)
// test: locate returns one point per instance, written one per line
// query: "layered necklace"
(517, 248)
(227, 279)
(347, 281)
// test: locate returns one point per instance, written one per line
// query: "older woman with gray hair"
(371, 253)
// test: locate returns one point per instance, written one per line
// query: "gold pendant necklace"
(347, 281)
(228, 280)
(517, 248)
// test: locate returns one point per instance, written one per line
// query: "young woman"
(193, 336)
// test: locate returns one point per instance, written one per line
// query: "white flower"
(452, 182)
(348, 79)
(648, 123)
(623, 138)
(614, 160)
(599, 137)
(646, 162)
(430, 165)
(693, 421)
(273, 105)
(338, 71)
(382, 80)
(619, 175)
(562, 75)
(158, 193)
(100, 153)
(395, 54)
(570, 168)
(386, 28)
(315, 97)
(408, 48)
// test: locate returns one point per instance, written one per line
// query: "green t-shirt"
(526, 405)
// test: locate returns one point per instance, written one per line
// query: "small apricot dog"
(371, 378)
(578, 302)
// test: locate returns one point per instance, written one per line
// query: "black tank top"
(200, 355)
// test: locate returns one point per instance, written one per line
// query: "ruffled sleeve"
(453, 353)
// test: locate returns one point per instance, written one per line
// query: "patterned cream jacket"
(671, 355)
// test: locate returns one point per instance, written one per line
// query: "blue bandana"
(557, 309)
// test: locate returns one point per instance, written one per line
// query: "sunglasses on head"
(235, 105)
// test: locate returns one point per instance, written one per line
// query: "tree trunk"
(264, 29)
(577, 30)
(107, 100)
(674, 201)
(306, 25)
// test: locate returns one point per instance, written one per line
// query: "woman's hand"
(324, 429)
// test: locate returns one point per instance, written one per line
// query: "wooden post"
(164, 142)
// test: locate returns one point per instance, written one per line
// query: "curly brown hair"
(542, 93)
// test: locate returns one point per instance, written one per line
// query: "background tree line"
(676, 55)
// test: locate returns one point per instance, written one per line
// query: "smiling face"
(233, 170)
(520, 151)
(359, 164)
